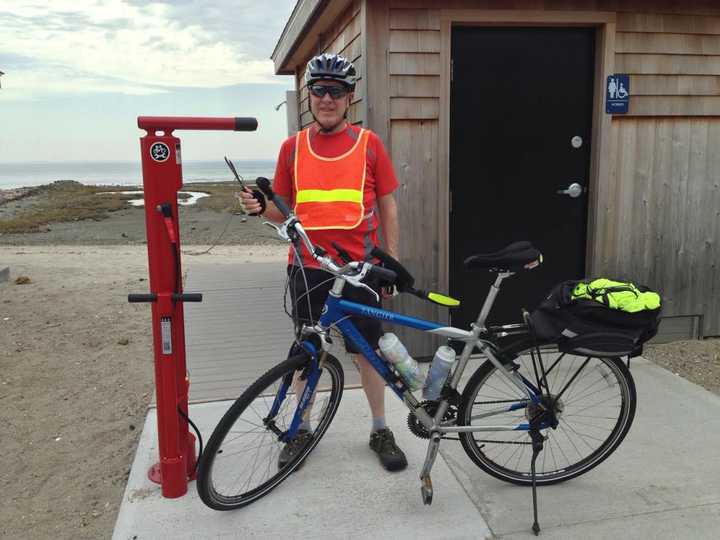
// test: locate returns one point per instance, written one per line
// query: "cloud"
(11, 61)
(20, 84)
(136, 47)
(254, 24)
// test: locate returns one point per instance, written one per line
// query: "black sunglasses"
(336, 92)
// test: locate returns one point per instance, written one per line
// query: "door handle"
(574, 190)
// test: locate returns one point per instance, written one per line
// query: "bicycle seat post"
(490, 299)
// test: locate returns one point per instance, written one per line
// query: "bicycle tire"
(485, 448)
(216, 464)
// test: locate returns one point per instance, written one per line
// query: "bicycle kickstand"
(537, 446)
(426, 489)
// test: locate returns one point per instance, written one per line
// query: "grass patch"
(65, 200)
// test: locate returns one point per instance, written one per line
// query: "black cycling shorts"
(320, 282)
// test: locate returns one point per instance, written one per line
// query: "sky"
(78, 73)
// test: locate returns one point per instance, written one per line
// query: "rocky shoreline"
(12, 194)
(213, 220)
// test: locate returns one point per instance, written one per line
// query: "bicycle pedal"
(426, 490)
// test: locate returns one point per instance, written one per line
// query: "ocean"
(123, 173)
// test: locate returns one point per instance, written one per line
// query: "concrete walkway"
(341, 491)
(661, 483)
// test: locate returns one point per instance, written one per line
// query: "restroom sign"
(617, 94)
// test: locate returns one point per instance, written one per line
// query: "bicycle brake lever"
(281, 231)
(375, 294)
(357, 281)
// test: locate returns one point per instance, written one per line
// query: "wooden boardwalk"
(240, 329)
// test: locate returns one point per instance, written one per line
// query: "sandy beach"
(76, 380)
(76, 357)
(77, 364)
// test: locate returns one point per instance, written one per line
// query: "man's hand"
(388, 292)
(253, 203)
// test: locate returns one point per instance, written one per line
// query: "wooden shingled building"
(495, 116)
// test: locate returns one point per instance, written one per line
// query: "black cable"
(197, 432)
(178, 278)
(215, 242)
(295, 299)
(176, 257)
(536, 347)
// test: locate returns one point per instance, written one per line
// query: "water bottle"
(395, 352)
(439, 369)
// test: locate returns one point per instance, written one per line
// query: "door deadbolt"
(574, 190)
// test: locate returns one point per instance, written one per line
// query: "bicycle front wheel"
(240, 463)
(594, 412)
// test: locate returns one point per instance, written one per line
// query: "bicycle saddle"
(515, 257)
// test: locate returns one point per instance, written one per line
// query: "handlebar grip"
(188, 297)
(264, 185)
(134, 298)
(246, 124)
(405, 281)
(383, 276)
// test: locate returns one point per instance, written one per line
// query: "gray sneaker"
(392, 458)
(294, 447)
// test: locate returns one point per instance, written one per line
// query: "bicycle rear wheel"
(240, 463)
(595, 413)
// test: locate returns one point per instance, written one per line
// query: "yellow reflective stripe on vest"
(328, 195)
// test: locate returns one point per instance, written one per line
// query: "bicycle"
(578, 409)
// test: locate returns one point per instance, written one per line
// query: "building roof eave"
(304, 12)
(295, 44)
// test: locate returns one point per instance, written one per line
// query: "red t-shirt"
(380, 180)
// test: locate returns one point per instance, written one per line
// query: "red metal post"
(162, 178)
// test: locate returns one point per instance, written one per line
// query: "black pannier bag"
(585, 317)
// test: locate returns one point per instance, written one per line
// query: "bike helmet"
(331, 67)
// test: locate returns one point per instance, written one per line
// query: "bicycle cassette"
(430, 407)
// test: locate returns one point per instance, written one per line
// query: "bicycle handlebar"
(391, 273)
(384, 276)
(152, 297)
(404, 281)
(197, 123)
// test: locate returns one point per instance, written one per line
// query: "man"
(350, 167)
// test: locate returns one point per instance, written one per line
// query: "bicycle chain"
(498, 401)
(500, 442)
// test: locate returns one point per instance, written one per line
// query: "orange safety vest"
(329, 191)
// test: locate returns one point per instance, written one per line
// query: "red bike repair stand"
(162, 178)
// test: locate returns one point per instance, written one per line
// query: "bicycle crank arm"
(426, 489)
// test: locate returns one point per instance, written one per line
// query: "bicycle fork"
(311, 374)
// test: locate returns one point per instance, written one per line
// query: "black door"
(520, 131)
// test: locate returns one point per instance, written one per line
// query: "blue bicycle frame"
(336, 313)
